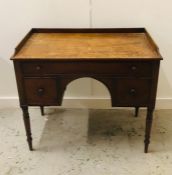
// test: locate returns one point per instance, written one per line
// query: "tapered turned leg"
(27, 126)
(136, 111)
(42, 110)
(149, 120)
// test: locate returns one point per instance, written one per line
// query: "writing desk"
(125, 60)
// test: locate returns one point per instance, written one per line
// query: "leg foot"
(42, 110)
(149, 120)
(136, 111)
(26, 120)
(146, 147)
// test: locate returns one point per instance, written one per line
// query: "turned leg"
(27, 126)
(149, 120)
(42, 110)
(136, 111)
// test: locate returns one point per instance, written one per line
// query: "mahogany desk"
(125, 60)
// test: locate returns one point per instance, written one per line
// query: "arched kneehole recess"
(87, 92)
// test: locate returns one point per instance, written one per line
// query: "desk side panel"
(19, 81)
(154, 84)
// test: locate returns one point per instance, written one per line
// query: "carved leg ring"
(42, 110)
(27, 126)
(149, 120)
(136, 111)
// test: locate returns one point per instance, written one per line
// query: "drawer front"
(40, 91)
(132, 68)
(132, 92)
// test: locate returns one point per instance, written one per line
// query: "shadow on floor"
(116, 128)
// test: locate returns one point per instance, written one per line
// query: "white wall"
(18, 16)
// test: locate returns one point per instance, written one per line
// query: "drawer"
(40, 91)
(132, 68)
(132, 92)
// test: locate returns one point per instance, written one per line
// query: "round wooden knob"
(132, 91)
(38, 67)
(40, 91)
(133, 68)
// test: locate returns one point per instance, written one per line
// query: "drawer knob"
(132, 91)
(40, 91)
(38, 67)
(133, 68)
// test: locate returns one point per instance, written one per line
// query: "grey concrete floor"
(85, 142)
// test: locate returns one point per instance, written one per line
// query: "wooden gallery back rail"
(125, 60)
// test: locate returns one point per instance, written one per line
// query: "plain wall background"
(18, 16)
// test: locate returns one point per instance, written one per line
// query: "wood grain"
(87, 46)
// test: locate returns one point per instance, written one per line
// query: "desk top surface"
(87, 45)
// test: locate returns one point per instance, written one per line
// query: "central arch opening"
(87, 92)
